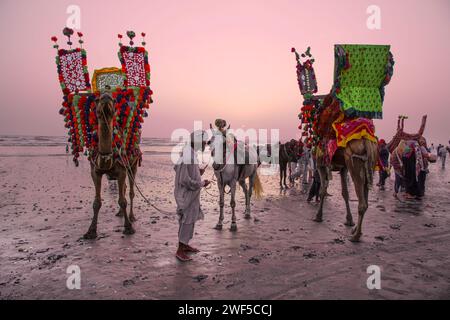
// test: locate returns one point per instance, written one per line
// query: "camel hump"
(361, 147)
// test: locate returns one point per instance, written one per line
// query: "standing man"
(421, 178)
(188, 184)
(306, 159)
(384, 159)
(438, 149)
(443, 155)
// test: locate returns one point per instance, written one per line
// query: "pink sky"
(228, 59)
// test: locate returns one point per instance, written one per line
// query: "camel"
(229, 172)
(402, 135)
(103, 162)
(288, 153)
(358, 157)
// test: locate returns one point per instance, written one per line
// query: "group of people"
(305, 169)
(441, 152)
(410, 161)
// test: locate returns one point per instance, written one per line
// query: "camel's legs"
(344, 186)
(121, 180)
(97, 179)
(323, 191)
(290, 172)
(233, 226)
(131, 178)
(121, 213)
(281, 175)
(358, 174)
(284, 178)
(221, 203)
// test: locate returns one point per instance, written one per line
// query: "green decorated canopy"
(361, 73)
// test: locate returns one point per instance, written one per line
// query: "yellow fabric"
(363, 134)
(101, 71)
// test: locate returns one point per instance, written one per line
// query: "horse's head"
(217, 143)
(105, 107)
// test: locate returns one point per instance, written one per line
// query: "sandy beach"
(46, 207)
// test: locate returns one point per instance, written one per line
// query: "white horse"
(233, 167)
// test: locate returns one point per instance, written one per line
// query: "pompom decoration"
(55, 40)
(308, 86)
(79, 108)
(143, 39)
(80, 41)
(68, 33)
(131, 35)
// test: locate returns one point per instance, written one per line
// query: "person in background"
(409, 167)
(423, 167)
(384, 163)
(314, 191)
(438, 149)
(442, 153)
(188, 184)
(397, 164)
(306, 159)
(431, 149)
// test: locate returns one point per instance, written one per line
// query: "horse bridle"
(105, 156)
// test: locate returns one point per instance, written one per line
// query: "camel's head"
(422, 141)
(105, 107)
(330, 111)
(293, 148)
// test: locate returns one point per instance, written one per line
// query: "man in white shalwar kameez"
(188, 184)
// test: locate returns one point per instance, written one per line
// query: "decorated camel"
(104, 120)
(400, 134)
(339, 125)
(233, 163)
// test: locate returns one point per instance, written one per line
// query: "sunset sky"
(227, 59)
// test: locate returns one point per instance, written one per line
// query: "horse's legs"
(221, 204)
(131, 178)
(250, 192)
(362, 192)
(243, 184)
(121, 180)
(97, 179)
(233, 226)
(349, 219)
(323, 191)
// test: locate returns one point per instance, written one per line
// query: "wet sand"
(46, 206)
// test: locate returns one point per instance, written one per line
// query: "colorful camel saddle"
(361, 73)
(350, 129)
(128, 85)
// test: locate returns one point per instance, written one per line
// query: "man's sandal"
(182, 256)
(188, 248)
